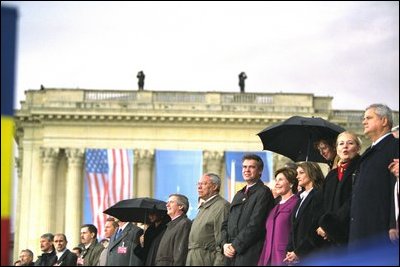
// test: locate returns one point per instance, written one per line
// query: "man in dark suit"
(173, 247)
(243, 231)
(122, 245)
(64, 256)
(372, 198)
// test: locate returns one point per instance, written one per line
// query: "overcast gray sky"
(348, 50)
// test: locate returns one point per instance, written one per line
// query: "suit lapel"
(63, 256)
(121, 237)
(305, 203)
(378, 146)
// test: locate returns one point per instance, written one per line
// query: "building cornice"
(99, 107)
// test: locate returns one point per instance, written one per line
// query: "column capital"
(18, 165)
(75, 155)
(144, 163)
(144, 156)
(49, 154)
(212, 155)
(213, 161)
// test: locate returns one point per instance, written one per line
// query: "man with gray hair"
(205, 234)
(26, 257)
(373, 185)
(173, 247)
(48, 257)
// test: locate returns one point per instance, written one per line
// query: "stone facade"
(54, 126)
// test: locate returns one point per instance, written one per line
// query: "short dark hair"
(63, 235)
(255, 157)
(291, 175)
(78, 248)
(91, 229)
(114, 222)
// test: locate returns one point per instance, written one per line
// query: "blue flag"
(178, 172)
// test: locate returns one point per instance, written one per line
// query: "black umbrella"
(136, 209)
(294, 137)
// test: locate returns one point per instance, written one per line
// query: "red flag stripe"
(108, 183)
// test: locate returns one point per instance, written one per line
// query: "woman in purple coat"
(278, 223)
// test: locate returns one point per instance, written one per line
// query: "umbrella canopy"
(136, 209)
(294, 137)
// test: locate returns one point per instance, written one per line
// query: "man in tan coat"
(205, 234)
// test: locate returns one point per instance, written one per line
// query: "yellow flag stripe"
(7, 127)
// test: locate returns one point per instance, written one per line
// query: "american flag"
(109, 177)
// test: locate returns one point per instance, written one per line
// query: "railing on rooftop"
(109, 95)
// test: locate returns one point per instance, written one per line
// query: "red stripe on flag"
(122, 164)
(114, 176)
(108, 188)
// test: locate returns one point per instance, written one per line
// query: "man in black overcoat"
(243, 232)
(372, 198)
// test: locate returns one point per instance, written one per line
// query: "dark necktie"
(119, 231)
(246, 190)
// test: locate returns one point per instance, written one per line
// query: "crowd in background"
(350, 216)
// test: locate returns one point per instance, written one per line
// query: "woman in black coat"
(303, 238)
(337, 190)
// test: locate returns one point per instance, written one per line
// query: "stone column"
(47, 205)
(144, 159)
(74, 195)
(213, 162)
(18, 165)
(31, 191)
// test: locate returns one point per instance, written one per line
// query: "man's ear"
(385, 121)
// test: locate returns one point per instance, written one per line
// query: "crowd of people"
(349, 216)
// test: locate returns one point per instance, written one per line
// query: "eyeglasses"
(202, 183)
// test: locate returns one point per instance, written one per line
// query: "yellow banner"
(7, 127)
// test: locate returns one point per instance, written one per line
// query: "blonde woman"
(337, 190)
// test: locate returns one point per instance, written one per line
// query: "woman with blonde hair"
(337, 190)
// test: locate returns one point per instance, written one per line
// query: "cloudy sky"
(348, 50)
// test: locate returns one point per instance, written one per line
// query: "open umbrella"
(136, 209)
(294, 137)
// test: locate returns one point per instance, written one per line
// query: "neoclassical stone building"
(54, 126)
